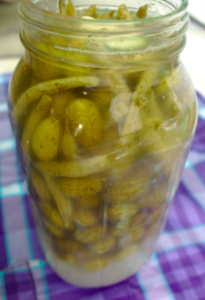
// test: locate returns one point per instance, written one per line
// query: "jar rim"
(183, 6)
(27, 8)
(72, 39)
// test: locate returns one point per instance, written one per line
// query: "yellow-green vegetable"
(102, 98)
(142, 12)
(75, 168)
(90, 11)
(68, 144)
(59, 103)
(107, 15)
(139, 99)
(49, 88)
(88, 202)
(44, 71)
(116, 213)
(89, 235)
(126, 190)
(40, 187)
(20, 81)
(70, 9)
(85, 122)
(62, 202)
(123, 13)
(45, 142)
(103, 246)
(33, 122)
(81, 187)
(85, 217)
(62, 7)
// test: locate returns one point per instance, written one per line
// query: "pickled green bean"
(34, 120)
(50, 88)
(138, 100)
(62, 202)
(75, 168)
(91, 11)
(62, 7)
(142, 12)
(108, 15)
(123, 13)
(70, 9)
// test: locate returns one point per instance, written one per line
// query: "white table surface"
(193, 55)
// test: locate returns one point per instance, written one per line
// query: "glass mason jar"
(103, 113)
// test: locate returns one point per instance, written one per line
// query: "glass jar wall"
(103, 114)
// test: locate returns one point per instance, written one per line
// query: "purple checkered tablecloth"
(175, 271)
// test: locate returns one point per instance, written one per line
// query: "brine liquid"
(102, 151)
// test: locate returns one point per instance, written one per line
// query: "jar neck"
(90, 43)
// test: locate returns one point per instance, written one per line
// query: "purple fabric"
(175, 271)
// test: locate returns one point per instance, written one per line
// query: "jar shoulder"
(165, 95)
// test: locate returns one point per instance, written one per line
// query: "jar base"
(111, 274)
